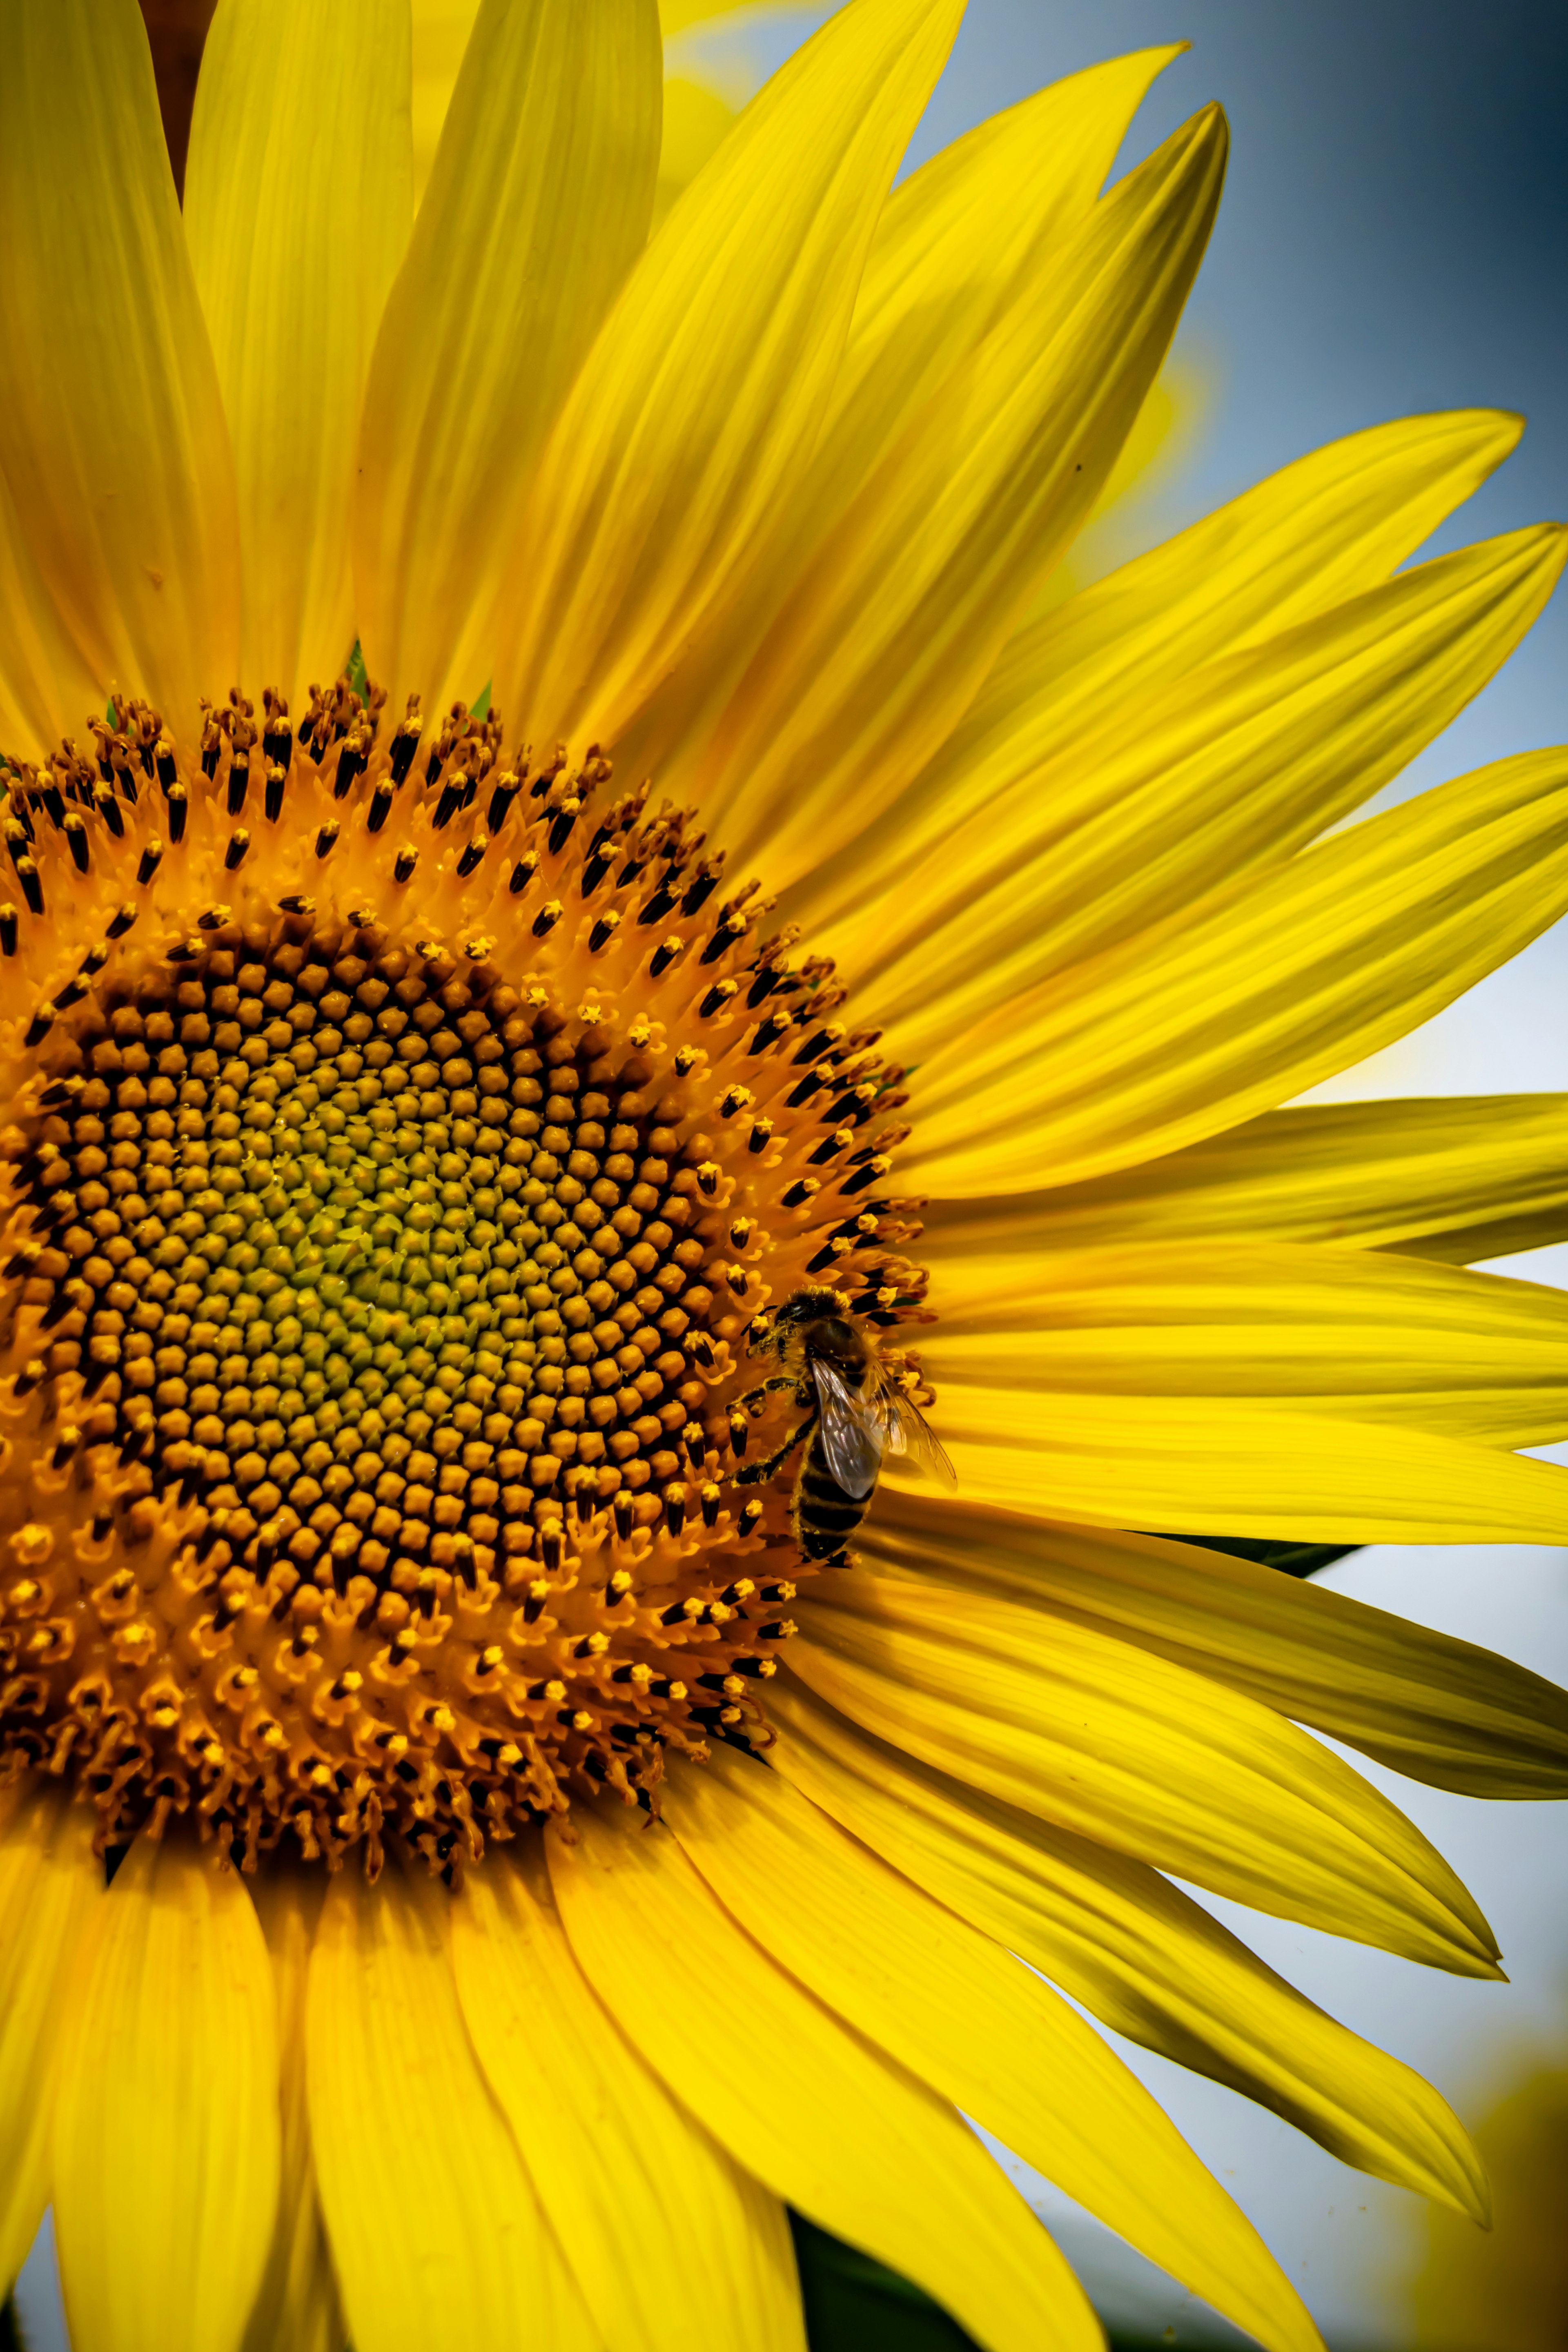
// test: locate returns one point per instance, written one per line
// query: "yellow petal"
(441, 29)
(1154, 1761)
(50, 1886)
(1254, 1469)
(1173, 1037)
(1326, 529)
(696, 120)
(701, 400)
(844, 2135)
(906, 602)
(981, 226)
(1053, 856)
(537, 206)
(1136, 1951)
(965, 2018)
(1438, 1709)
(615, 2159)
(300, 157)
(436, 2232)
(298, 2304)
(46, 684)
(112, 440)
(1368, 1336)
(1454, 1178)
(166, 2133)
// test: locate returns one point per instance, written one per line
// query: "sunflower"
(542, 1854)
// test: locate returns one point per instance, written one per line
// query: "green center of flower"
(378, 1283)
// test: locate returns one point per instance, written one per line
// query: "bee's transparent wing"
(908, 1432)
(854, 1432)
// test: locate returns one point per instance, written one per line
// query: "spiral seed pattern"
(377, 1269)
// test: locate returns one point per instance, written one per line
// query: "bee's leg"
(769, 1388)
(754, 1472)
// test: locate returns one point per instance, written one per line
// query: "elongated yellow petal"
(537, 206)
(906, 604)
(614, 2159)
(441, 30)
(274, 204)
(166, 2132)
(112, 441)
(844, 2134)
(965, 2018)
(1172, 1037)
(1055, 855)
(1326, 529)
(50, 1884)
(298, 2304)
(1438, 1709)
(981, 226)
(701, 400)
(390, 2071)
(1358, 1333)
(1166, 1463)
(1117, 1744)
(47, 684)
(1137, 1953)
(1453, 1178)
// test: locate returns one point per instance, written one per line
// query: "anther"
(717, 998)
(736, 1099)
(379, 807)
(523, 873)
(238, 843)
(602, 932)
(42, 1022)
(761, 1136)
(402, 868)
(549, 915)
(238, 782)
(327, 838)
(473, 855)
(751, 1513)
(9, 922)
(664, 955)
(32, 885)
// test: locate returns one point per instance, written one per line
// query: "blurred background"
(1394, 238)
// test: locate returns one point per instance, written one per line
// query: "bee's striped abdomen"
(824, 1516)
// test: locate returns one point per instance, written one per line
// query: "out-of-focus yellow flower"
(1506, 2289)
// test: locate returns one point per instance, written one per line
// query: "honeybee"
(855, 1415)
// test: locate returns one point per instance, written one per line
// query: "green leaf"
(1289, 1559)
(854, 2304)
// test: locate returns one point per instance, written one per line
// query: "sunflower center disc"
(376, 1303)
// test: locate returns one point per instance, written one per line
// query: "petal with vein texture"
(47, 683)
(701, 402)
(537, 206)
(1329, 526)
(962, 2015)
(112, 440)
(298, 2304)
(1053, 856)
(1171, 1036)
(1159, 1763)
(1438, 1709)
(1454, 1178)
(908, 600)
(958, 242)
(456, 2252)
(50, 1886)
(1363, 1334)
(275, 204)
(1141, 1955)
(674, 2244)
(1169, 1463)
(842, 2133)
(166, 2130)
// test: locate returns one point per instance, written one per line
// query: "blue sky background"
(1393, 237)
